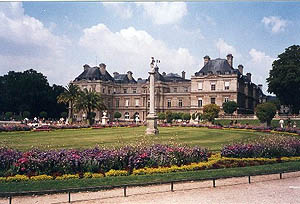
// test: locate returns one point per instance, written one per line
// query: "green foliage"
(210, 112)
(8, 115)
(265, 112)
(229, 107)
(161, 116)
(43, 114)
(169, 116)
(26, 114)
(64, 114)
(88, 101)
(29, 91)
(284, 78)
(276, 102)
(186, 116)
(117, 115)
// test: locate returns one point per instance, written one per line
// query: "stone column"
(152, 117)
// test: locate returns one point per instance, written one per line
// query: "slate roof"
(123, 79)
(172, 77)
(217, 66)
(93, 73)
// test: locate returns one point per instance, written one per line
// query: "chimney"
(260, 86)
(183, 74)
(241, 68)
(115, 74)
(156, 68)
(129, 75)
(206, 59)
(230, 59)
(249, 76)
(85, 67)
(102, 68)
(164, 74)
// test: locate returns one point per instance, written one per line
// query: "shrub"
(43, 114)
(64, 114)
(186, 116)
(229, 107)
(265, 112)
(117, 115)
(210, 112)
(26, 114)
(8, 115)
(161, 116)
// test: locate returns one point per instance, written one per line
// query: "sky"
(58, 38)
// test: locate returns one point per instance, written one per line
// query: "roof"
(217, 66)
(93, 73)
(123, 79)
(173, 77)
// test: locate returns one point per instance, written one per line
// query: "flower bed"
(60, 162)
(266, 147)
(214, 162)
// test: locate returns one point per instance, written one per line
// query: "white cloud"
(259, 65)
(224, 48)
(131, 49)
(276, 23)
(165, 12)
(123, 10)
(27, 43)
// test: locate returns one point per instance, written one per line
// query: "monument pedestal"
(104, 119)
(152, 125)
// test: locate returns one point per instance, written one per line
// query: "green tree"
(117, 115)
(265, 112)
(43, 114)
(26, 114)
(186, 116)
(88, 101)
(8, 115)
(210, 112)
(229, 107)
(161, 116)
(69, 97)
(284, 78)
(169, 116)
(64, 114)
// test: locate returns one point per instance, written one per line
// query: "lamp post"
(152, 117)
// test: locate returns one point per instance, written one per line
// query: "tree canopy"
(284, 78)
(29, 91)
(266, 112)
(210, 112)
(229, 107)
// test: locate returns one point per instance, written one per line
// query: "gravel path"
(263, 189)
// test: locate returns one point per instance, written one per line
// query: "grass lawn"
(213, 139)
(141, 179)
(274, 122)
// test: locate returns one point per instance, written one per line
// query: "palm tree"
(69, 96)
(88, 101)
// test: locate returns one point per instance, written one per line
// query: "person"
(281, 122)
(289, 122)
(294, 125)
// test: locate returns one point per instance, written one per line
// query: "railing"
(10, 195)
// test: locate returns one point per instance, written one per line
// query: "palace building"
(216, 82)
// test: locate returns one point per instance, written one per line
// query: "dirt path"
(263, 189)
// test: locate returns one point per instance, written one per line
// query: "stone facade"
(216, 82)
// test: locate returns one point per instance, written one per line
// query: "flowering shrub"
(265, 147)
(60, 162)
(14, 127)
(67, 176)
(41, 177)
(17, 178)
(92, 175)
(113, 172)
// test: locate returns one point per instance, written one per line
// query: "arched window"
(126, 115)
(136, 116)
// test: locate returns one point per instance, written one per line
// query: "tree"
(43, 114)
(64, 114)
(186, 116)
(26, 114)
(8, 115)
(210, 112)
(88, 101)
(229, 107)
(266, 112)
(117, 115)
(284, 78)
(169, 116)
(69, 97)
(161, 116)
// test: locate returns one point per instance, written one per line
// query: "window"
(145, 90)
(108, 91)
(114, 90)
(94, 87)
(213, 100)
(117, 103)
(137, 102)
(125, 91)
(103, 90)
(148, 103)
(226, 85)
(226, 99)
(200, 103)
(213, 86)
(169, 103)
(180, 103)
(134, 90)
(126, 102)
(200, 85)
(186, 89)
(175, 90)
(126, 116)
